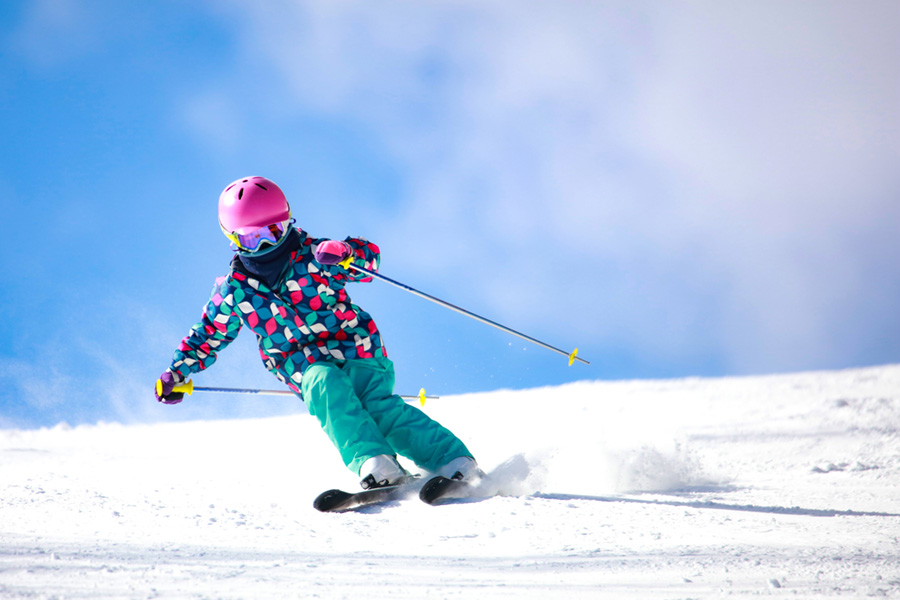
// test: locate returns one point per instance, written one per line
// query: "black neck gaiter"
(269, 266)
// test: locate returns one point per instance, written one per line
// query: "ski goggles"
(252, 241)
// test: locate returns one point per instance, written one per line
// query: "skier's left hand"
(163, 389)
(332, 252)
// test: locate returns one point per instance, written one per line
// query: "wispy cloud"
(213, 118)
(52, 32)
(709, 178)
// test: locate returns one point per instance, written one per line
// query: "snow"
(770, 486)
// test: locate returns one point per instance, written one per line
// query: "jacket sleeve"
(365, 254)
(218, 327)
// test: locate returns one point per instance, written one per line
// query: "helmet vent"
(259, 185)
(241, 194)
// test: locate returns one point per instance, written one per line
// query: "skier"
(288, 288)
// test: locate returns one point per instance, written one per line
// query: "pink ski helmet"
(250, 204)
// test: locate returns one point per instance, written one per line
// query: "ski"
(441, 488)
(341, 501)
(435, 491)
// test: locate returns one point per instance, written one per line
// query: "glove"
(332, 252)
(163, 390)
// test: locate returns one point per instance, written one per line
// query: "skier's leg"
(409, 431)
(329, 396)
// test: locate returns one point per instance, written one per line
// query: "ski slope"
(772, 487)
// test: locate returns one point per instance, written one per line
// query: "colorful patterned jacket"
(306, 317)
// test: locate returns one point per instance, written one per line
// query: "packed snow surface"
(780, 486)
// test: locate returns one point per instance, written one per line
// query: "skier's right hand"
(332, 252)
(164, 386)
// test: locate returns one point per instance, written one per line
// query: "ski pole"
(573, 356)
(189, 388)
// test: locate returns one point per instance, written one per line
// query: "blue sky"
(676, 188)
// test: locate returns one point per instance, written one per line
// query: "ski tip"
(441, 488)
(432, 489)
(330, 500)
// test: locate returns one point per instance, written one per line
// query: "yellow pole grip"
(187, 387)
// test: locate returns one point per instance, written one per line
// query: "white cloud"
(52, 32)
(214, 119)
(723, 173)
(758, 114)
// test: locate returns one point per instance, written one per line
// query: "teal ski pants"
(355, 404)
